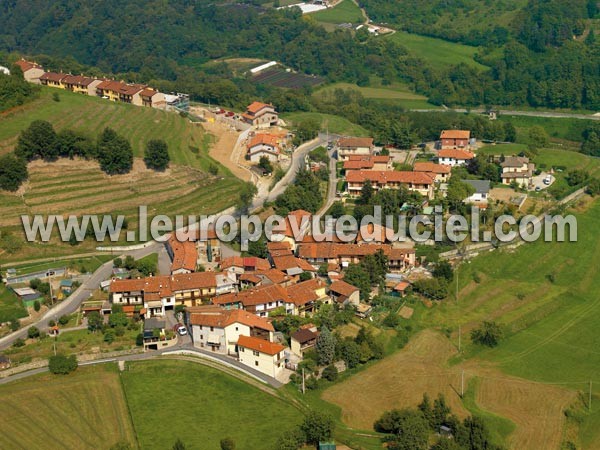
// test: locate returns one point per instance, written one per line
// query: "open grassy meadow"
(10, 306)
(172, 400)
(80, 187)
(83, 410)
(344, 12)
(438, 52)
(335, 124)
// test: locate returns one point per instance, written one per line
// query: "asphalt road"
(73, 302)
(549, 114)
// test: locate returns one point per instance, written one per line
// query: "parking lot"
(538, 181)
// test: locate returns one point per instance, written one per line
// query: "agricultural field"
(80, 187)
(279, 77)
(562, 131)
(335, 124)
(201, 406)
(438, 52)
(397, 93)
(344, 12)
(90, 264)
(91, 115)
(83, 410)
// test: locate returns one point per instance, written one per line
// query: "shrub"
(227, 444)
(488, 334)
(51, 323)
(330, 373)
(37, 305)
(33, 333)
(62, 365)
(109, 336)
(63, 320)
(19, 343)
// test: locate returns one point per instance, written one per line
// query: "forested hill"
(530, 49)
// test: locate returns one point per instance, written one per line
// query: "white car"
(547, 180)
(182, 330)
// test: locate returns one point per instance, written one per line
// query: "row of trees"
(413, 429)
(305, 193)
(41, 141)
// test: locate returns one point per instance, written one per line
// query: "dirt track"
(223, 147)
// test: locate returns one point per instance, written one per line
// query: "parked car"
(547, 180)
(180, 329)
(538, 189)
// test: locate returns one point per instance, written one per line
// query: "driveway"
(538, 181)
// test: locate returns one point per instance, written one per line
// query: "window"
(256, 363)
(201, 336)
(236, 328)
(255, 353)
(212, 328)
(241, 349)
(200, 327)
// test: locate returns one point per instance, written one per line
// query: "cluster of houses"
(230, 308)
(116, 91)
(362, 164)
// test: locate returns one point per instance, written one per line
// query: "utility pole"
(590, 399)
(462, 384)
(303, 385)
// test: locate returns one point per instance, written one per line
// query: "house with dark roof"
(517, 169)
(303, 340)
(480, 196)
(53, 79)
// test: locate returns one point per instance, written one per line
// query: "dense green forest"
(529, 48)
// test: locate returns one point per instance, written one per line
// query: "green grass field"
(438, 52)
(90, 263)
(10, 306)
(91, 115)
(344, 12)
(335, 124)
(558, 129)
(83, 410)
(68, 187)
(172, 400)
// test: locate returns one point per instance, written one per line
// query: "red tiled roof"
(305, 292)
(355, 142)
(249, 263)
(388, 176)
(401, 286)
(222, 319)
(148, 92)
(26, 65)
(274, 275)
(264, 139)
(330, 250)
(255, 107)
(260, 345)
(185, 254)
(53, 76)
(455, 134)
(455, 153)
(78, 80)
(197, 280)
(431, 167)
(304, 335)
(355, 162)
(341, 287)
(255, 296)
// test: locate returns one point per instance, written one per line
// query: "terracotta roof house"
(263, 144)
(260, 301)
(354, 146)
(53, 79)
(31, 71)
(368, 162)
(455, 139)
(219, 330)
(183, 254)
(439, 172)
(258, 354)
(80, 84)
(454, 157)
(344, 293)
(261, 115)
(390, 179)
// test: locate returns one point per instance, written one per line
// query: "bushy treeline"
(14, 90)
(415, 428)
(41, 141)
(165, 44)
